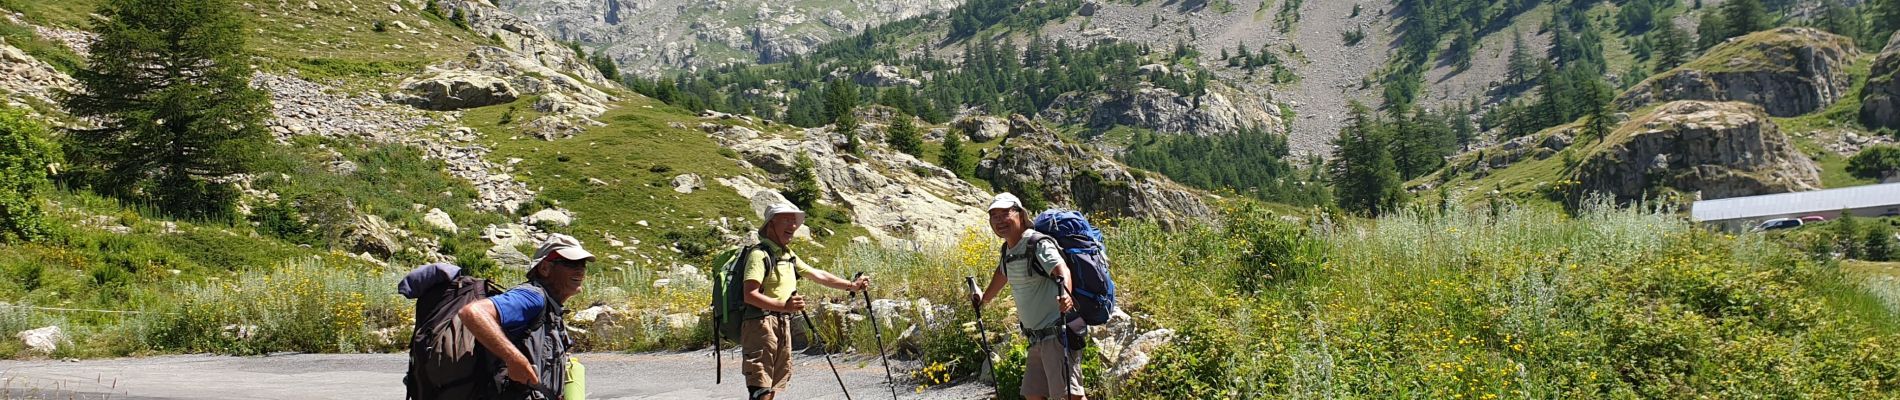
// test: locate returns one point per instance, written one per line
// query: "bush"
(1878, 242)
(303, 306)
(25, 155)
(1274, 250)
(803, 190)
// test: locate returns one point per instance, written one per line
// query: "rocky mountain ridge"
(650, 37)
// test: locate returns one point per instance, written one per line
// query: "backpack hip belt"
(1037, 335)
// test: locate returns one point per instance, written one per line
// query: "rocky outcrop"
(902, 201)
(24, 78)
(1786, 71)
(647, 38)
(301, 107)
(1073, 176)
(1164, 111)
(1880, 100)
(456, 90)
(1715, 150)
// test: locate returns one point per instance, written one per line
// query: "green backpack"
(728, 292)
(728, 301)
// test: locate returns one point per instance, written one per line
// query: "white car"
(1778, 223)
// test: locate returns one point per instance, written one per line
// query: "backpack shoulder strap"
(1035, 263)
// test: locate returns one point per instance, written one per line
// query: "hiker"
(1042, 301)
(771, 278)
(523, 326)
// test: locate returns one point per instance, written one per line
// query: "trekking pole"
(719, 360)
(834, 367)
(1064, 340)
(872, 311)
(984, 333)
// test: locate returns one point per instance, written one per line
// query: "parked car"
(1812, 219)
(1778, 223)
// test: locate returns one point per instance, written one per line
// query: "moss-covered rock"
(1034, 159)
(1786, 71)
(1709, 149)
(1880, 100)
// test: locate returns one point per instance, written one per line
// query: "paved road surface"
(379, 376)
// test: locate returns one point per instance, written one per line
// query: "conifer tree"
(169, 83)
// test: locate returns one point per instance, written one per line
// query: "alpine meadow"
(950, 199)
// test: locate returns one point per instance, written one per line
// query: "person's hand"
(795, 304)
(1067, 303)
(862, 283)
(523, 374)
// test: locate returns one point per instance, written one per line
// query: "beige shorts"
(1042, 373)
(768, 353)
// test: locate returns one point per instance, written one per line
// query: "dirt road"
(379, 376)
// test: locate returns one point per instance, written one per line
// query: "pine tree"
(1741, 17)
(803, 191)
(1710, 30)
(25, 155)
(1365, 180)
(1671, 47)
(903, 136)
(1837, 18)
(841, 96)
(1520, 65)
(169, 84)
(952, 157)
(1885, 19)
(848, 124)
(1600, 112)
(1462, 47)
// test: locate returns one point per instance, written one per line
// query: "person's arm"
(485, 322)
(756, 298)
(833, 281)
(755, 272)
(1052, 255)
(994, 289)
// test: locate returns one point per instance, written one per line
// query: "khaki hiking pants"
(768, 351)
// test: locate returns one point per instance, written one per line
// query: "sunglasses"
(575, 264)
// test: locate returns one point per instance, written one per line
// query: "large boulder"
(1880, 100)
(983, 128)
(1786, 71)
(371, 234)
(456, 90)
(1716, 150)
(43, 340)
(1072, 175)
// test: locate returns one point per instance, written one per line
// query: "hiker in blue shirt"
(523, 326)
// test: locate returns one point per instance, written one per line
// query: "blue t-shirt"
(517, 307)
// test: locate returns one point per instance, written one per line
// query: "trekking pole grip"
(975, 296)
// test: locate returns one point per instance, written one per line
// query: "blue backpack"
(1088, 262)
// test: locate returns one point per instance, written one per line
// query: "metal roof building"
(1861, 201)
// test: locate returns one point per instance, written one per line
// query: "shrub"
(1274, 250)
(25, 155)
(1878, 242)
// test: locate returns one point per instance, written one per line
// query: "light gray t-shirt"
(1035, 294)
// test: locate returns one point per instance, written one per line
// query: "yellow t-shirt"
(780, 284)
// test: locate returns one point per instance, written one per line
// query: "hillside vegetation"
(1441, 251)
